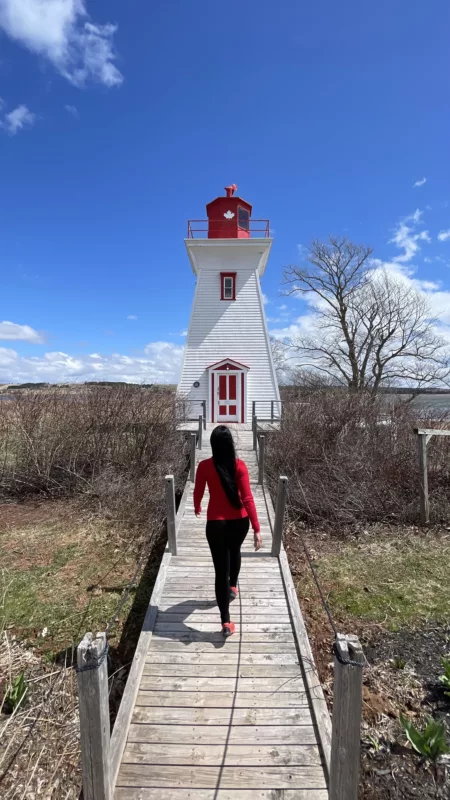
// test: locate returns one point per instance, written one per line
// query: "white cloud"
(160, 363)
(72, 110)
(132, 316)
(283, 307)
(444, 235)
(406, 239)
(420, 183)
(266, 300)
(183, 333)
(12, 332)
(60, 31)
(17, 119)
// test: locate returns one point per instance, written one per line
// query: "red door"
(227, 397)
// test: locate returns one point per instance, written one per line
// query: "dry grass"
(39, 742)
(112, 444)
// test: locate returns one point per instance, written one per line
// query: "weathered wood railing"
(423, 437)
(341, 745)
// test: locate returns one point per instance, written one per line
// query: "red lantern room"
(229, 216)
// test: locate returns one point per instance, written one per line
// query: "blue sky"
(120, 121)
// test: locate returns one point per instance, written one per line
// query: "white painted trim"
(262, 246)
(267, 338)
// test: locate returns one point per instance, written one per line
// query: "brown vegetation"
(352, 459)
(112, 444)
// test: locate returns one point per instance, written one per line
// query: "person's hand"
(258, 540)
(197, 513)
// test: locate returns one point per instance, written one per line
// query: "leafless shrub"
(113, 444)
(351, 459)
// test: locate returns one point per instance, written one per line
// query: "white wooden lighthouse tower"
(228, 359)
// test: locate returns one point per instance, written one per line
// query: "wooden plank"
(171, 514)
(213, 755)
(203, 616)
(347, 704)
(226, 671)
(423, 475)
(156, 776)
(222, 716)
(274, 735)
(216, 637)
(249, 627)
(94, 717)
(268, 684)
(119, 733)
(231, 645)
(128, 793)
(223, 699)
(221, 659)
(263, 604)
(432, 431)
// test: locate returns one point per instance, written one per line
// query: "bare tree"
(371, 328)
(280, 357)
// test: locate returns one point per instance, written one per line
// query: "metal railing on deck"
(202, 228)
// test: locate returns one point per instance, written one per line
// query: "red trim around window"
(222, 287)
(212, 396)
(243, 397)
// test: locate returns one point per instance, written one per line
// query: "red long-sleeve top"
(219, 507)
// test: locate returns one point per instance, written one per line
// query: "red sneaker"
(234, 592)
(228, 628)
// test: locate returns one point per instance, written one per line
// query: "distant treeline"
(160, 386)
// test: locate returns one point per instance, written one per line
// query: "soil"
(402, 677)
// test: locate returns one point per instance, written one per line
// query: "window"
(228, 285)
(243, 218)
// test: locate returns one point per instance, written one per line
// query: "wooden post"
(193, 443)
(279, 516)
(94, 718)
(262, 453)
(346, 723)
(204, 414)
(253, 408)
(422, 439)
(255, 432)
(170, 514)
(271, 410)
(200, 429)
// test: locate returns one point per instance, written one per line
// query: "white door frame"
(237, 402)
(240, 371)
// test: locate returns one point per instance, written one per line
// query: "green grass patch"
(394, 580)
(60, 579)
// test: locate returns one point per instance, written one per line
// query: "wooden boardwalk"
(217, 719)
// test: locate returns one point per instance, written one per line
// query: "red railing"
(199, 229)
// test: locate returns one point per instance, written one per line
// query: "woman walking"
(231, 509)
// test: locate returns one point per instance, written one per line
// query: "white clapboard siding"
(234, 329)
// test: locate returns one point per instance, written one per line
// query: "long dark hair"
(224, 458)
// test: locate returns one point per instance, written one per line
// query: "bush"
(113, 444)
(352, 458)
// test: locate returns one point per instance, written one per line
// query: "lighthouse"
(228, 359)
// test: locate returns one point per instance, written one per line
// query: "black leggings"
(225, 537)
